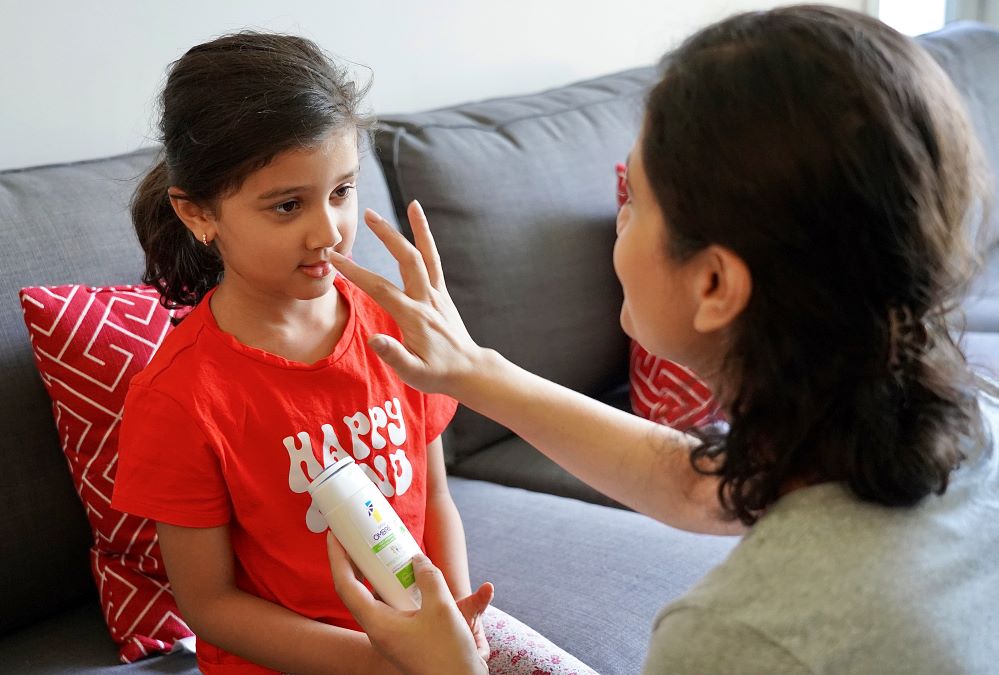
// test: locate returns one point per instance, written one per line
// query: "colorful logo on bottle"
(373, 512)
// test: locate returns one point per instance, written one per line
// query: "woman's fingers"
(431, 582)
(412, 267)
(424, 241)
(385, 293)
(400, 359)
(346, 579)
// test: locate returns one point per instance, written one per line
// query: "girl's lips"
(317, 271)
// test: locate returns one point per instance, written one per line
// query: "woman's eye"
(287, 207)
(342, 191)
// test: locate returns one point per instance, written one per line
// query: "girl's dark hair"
(228, 108)
(832, 155)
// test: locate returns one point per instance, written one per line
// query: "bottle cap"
(337, 482)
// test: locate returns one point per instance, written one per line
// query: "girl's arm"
(199, 564)
(641, 464)
(443, 533)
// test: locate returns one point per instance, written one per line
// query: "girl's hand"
(434, 639)
(472, 607)
(438, 350)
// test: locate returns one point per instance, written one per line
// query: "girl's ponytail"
(180, 267)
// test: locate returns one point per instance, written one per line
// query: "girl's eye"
(290, 206)
(342, 191)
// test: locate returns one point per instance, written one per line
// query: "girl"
(268, 379)
(795, 232)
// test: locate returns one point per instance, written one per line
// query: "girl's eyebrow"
(281, 191)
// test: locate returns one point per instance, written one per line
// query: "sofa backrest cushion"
(969, 54)
(520, 193)
(70, 224)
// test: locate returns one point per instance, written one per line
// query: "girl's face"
(276, 232)
(659, 298)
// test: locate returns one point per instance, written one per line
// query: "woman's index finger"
(391, 298)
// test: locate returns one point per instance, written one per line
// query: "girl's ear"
(198, 220)
(724, 288)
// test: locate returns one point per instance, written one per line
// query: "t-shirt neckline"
(340, 284)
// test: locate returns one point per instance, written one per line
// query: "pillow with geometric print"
(88, 344)
(662, 390)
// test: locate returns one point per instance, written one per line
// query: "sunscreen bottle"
(370, 531)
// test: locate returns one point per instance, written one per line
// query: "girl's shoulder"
(180, 354)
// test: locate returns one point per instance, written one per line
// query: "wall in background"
(79, 80)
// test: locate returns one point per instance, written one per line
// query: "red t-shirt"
(216, 432)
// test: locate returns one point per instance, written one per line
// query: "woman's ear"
(198, 220)
(724, 288)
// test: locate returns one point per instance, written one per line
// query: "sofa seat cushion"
(77, 641)
(587, 577)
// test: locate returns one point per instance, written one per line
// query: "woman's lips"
(318, 270)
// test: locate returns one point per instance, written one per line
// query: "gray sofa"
(520, 192)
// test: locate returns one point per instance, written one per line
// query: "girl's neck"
(304, 331)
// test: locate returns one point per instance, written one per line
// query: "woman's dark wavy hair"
(228, 108)
(833, 156)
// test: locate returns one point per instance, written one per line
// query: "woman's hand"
(438, 350)
(434, 639)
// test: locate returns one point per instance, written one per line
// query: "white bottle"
(369, 529)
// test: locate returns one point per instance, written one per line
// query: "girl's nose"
(325, 232)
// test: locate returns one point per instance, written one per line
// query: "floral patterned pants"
(517, 649)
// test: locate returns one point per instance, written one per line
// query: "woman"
(795, 232)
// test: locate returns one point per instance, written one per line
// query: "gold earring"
(204, 239)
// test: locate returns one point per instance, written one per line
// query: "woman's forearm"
(641, 464)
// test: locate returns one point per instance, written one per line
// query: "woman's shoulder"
(694, 639)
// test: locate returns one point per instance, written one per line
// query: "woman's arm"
(443, 533)
(199, 564)
(641, 464)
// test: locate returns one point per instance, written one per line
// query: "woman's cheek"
(622, 216)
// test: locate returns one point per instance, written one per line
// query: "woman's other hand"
(434, 640)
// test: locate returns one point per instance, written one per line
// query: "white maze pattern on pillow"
(89, 343)
(668, 393)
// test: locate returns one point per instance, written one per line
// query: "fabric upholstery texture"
(521, 232)
(520, 196)
(582, 575)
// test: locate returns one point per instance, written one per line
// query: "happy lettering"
(376, 429)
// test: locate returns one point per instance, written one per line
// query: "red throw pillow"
(88, 343)
(662, 390)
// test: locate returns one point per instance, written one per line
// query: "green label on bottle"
(406, 576)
